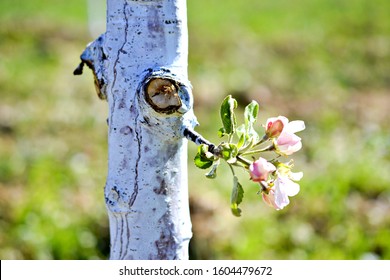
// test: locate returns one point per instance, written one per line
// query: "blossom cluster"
(277, 180)
(251, 152)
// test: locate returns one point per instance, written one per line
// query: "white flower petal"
(295, 176)
(269, 199)
(281, 197)
(288, 149)
(286, 186)
(295, 126)
(292, 188)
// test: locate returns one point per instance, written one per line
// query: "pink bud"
(274, 128)
(260, 169)
(283, 132)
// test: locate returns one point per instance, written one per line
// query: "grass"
(325, 62)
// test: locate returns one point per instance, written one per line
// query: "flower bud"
(274, 127)
(260, 169)
(283, 133)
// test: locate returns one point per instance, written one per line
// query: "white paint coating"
(146, 189)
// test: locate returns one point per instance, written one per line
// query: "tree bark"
(140, 67)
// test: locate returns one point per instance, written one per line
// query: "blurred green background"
(326, 62)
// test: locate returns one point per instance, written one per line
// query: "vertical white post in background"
(96, 17)
(140, 67)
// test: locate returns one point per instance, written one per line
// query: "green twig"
(262, 140)
(244, 161)
(231, 168)
(266, 149)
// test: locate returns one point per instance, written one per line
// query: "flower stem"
(264, 187)
(262, 140)
(244, 161)
(269, 148)
(231, 168)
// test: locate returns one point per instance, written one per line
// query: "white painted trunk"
(146, 189)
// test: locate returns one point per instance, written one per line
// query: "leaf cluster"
(229, 151)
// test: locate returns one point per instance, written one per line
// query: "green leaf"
(229, 152)
(236, 211)
(213, 172)
(227, 115)
(252, 135)
(251, 112)
(201, 163)
(241, 141)
(241, 133)
(248, 145)
(203, 159)
(221, 132)
(236, 197)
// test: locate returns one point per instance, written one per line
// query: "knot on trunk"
(163, 95)
(165, 103)
(166, 93)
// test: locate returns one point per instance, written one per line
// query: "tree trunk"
(140, 67)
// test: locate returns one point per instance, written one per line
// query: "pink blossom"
(260, 169)
(274, 126)
(286, 142)
(269, 198)
(278, 195)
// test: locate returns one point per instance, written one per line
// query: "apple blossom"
(287, 144)
(283, 187)
(274, 126)
(284, 169)
(260, 169)
(283, 132)
(276, 180)
(278, 195)
(269, 198)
